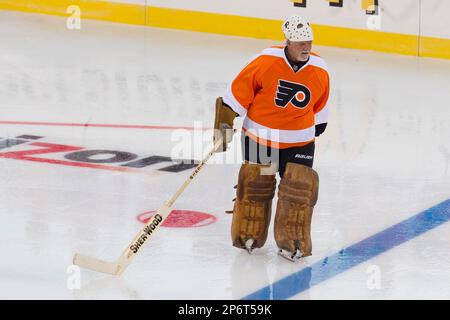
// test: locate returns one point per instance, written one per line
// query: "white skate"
(291, 256)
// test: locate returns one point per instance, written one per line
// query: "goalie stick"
(119, 266)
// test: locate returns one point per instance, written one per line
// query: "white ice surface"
(384, 157)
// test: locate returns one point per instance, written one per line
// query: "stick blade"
(95, 264)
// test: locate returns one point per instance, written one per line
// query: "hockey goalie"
(282, 94)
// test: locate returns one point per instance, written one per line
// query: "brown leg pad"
(253, 207)
(297, 195)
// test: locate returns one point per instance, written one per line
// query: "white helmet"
(297, 28)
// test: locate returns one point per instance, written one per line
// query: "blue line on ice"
(354, 255)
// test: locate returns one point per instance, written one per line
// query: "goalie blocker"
(223, 124)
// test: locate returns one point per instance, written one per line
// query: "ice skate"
(291, 256)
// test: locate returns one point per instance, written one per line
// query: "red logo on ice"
(181, 219)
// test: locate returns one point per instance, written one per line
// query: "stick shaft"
(172, 200)
(160, 215)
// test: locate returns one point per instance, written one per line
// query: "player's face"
(299, 50)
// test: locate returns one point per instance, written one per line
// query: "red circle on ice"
(181, 219)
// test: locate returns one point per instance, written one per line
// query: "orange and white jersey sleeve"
(321, 107)
(242, 91)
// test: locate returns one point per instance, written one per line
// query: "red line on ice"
(117, 126)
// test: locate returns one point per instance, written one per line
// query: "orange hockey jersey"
(282, 107)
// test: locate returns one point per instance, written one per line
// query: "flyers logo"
(297, 94)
